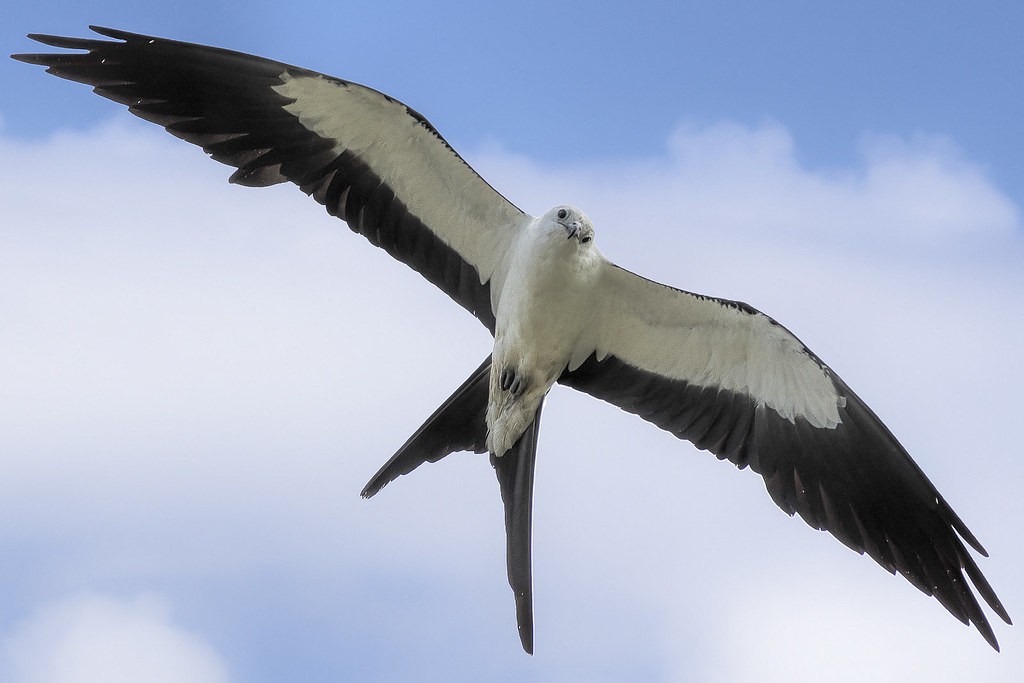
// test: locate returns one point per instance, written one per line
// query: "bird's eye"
(586, 239)
(562, 213)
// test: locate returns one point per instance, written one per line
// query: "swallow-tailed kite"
(715, 372)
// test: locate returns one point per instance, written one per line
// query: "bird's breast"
(540, 316)
(542, 309)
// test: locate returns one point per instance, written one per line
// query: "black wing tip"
(116, 33)
(86, 43)
(997, 606)
(986, 632)
(27, 58)
(45, 39)
(80, 43)
(60, 41)
(70, 43)
(959, 526)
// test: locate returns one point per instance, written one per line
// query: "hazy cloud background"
(199, 378)
(89, 638)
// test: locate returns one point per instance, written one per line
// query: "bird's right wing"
(368, 158)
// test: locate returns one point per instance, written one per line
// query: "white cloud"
(96, 639)
(729, 178)
(199, 378)
(846, 628)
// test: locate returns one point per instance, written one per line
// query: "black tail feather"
(515, 478)
(460, 424)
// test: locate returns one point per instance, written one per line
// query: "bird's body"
(544, 307)
(718, 373)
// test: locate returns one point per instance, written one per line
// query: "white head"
(572, 223)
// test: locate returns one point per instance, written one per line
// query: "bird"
(715, 372)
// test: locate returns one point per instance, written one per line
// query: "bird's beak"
(573, 229)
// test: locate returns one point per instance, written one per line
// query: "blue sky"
(622, 76)
(199, 378)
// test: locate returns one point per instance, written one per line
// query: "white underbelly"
(538, 324)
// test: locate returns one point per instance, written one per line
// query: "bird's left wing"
(368, 158)
(736, 383)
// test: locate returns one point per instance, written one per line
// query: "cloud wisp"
(97, 639)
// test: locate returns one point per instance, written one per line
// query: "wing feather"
(733, 381)
(369, 159)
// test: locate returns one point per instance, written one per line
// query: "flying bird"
(715, 372)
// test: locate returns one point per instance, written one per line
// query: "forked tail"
(460, 425)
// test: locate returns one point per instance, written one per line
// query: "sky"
(199, 378)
